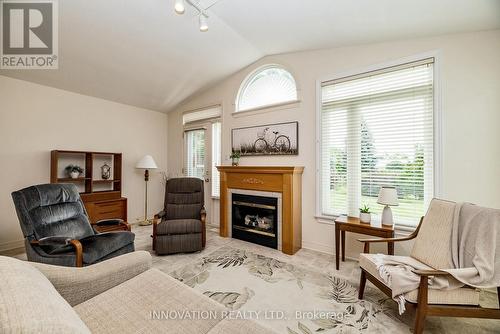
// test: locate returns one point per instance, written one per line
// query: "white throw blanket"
(475, 252)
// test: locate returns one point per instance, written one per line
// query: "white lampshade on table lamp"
(147, 162)
(387, 196)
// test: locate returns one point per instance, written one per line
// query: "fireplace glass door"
(255, 219)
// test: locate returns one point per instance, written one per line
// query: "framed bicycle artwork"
(272, 139)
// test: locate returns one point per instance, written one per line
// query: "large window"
(268, 86)
(195, 153)
(376, 129)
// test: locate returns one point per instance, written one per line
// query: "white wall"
(36, 119)
(470, 84)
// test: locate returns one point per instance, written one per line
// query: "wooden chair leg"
(362, 284)
(421, 305)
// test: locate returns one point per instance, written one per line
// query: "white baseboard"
(327, 249)
(10, 245)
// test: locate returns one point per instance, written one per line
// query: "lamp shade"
(388, 196)
(147, 162)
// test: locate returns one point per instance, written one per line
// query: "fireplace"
(283, 183)
(255, 219)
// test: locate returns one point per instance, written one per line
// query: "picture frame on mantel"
(266, 140)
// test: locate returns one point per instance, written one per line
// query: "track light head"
(179, 7)
(203, 23)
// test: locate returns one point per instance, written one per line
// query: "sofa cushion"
(98, 246)
(461, 296)
(29, 303)
(132, 306)
(433, 243)
(179, 226)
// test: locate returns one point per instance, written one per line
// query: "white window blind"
(216, 158)
(377, 129)
(195, 153)
(269, 85)
(202, 114)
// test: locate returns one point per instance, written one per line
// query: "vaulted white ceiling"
(141, 53)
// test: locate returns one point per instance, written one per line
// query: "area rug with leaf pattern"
(285, 297)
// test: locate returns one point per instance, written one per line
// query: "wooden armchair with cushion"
(432, 248)
(180, 226)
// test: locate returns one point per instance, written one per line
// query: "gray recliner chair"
(57, 230)
(182, 225)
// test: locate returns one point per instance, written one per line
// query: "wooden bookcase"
(102, 198)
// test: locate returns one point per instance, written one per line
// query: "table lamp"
(147, 162)
(387, 196)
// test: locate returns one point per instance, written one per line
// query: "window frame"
(437, 130)
(244, 84)
(217, 121)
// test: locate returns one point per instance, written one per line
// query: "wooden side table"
(345, 224)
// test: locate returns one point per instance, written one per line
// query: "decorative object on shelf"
(235, 158)
(275, 139)
(387, 196)
(146, 163)
(365, 214)
(105, 171)
(202, 12)
(74, 171)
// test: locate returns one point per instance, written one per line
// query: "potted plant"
(235, 158)
(74, 171)
(365, 214)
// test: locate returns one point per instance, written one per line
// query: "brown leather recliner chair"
(180, 226)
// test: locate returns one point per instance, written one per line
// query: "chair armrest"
(386, 239)
(160, 214)
(108, 222)
(77, 285)
(411, 236)
(52, 241)
(431, 272)
(62, 241)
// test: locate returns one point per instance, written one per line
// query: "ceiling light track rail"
(180, 8)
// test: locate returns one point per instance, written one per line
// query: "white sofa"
(120, 295)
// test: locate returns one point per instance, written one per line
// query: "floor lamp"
(146, 163)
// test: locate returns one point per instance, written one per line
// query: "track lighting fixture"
(179, 7)
(203, 23)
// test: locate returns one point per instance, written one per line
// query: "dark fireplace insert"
(255, 219)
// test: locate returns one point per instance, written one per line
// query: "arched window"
(267, 86)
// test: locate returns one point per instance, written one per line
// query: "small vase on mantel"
(235, 158)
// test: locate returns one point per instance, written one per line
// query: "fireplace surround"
(283, 183)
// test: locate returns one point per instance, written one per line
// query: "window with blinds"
(376, 129)
(216, 158)
(267, 86)
(195, 153)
